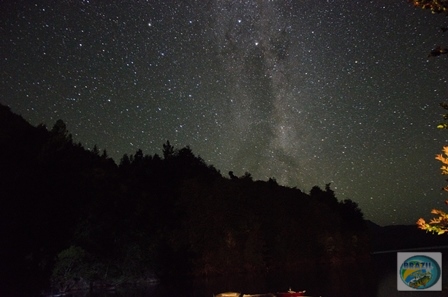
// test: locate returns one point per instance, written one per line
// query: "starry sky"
(307, 92)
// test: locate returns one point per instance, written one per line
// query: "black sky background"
(307, 92)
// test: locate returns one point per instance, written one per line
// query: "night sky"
(307, 92)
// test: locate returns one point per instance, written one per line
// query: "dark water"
(376, 280)
(387, 277)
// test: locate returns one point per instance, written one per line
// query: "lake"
(376, 280)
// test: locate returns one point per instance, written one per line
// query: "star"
(305, 92)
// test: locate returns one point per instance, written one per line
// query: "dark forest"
(72, 215)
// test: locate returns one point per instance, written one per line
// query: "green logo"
(420, 272)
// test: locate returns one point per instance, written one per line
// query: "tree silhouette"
(69, 213)
(439, 224)
(168, 150)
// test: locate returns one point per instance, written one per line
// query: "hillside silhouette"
(403, 237)
(73, 217)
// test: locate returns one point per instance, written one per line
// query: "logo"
(419, 272)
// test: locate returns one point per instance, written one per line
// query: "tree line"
(70, 214)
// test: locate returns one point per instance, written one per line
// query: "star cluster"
(306, 92)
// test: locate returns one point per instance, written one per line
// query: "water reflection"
(378, 279)
(343, 281)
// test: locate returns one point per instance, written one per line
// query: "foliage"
(436, 6)
(71, 267)
(444, 125)
(439, 224)
(444, 161)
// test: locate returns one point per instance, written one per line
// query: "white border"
(401, 257)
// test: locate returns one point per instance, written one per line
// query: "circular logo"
(420, 272)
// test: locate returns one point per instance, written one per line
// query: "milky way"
(254, 43)
(306, 92)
